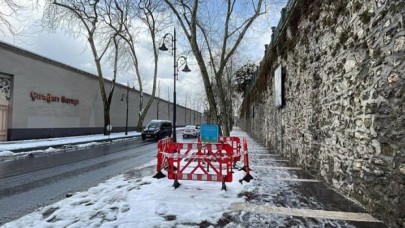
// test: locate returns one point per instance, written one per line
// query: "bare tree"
(202, 24)
(229, 93)
(229, 80)
(8, 8)
(11, 21)
(151, 15)
(89, 18)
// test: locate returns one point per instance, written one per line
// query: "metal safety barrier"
(235, 144)
(200, 161)
(246, 167)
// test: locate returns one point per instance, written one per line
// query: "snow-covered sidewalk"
(9, 148)
(275, 198)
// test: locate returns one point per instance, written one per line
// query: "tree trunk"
(141, 117)
(222, 102)
(140, 123)
(106, 104)
(207, 85)
(106, 120)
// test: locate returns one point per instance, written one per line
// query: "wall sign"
(278, 88)
(50, 98)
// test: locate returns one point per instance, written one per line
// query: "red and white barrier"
(199, 161)
(246, 167)
(235, 143)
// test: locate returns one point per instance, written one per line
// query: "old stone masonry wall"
(343, 117)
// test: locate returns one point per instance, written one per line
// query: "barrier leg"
(176, 183)
(159, 175)
(246, 168)
(247, 177)
(223, 186)
(159, 167)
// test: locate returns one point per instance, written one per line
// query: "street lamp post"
(126, 98)
(172, 43)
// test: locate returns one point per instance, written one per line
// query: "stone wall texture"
(343, 80)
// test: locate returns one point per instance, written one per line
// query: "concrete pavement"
(284, 195)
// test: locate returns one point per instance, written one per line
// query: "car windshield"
(190, 127)
(153, 125)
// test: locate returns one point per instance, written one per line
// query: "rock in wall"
(343, 117)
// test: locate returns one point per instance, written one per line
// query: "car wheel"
(143, 138)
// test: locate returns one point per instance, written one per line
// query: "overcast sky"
(75, 52)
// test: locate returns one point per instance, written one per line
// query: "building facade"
(42, 98)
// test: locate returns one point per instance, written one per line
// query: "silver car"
(191, 130)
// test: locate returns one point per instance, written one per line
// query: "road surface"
(32, 182)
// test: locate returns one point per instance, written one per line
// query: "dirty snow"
(23, 144)
(135, 199)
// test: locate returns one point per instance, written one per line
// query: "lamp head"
(163, 47)
(186, 68)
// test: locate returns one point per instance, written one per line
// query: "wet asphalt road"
(32, 182)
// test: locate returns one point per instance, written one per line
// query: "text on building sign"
(50, 98)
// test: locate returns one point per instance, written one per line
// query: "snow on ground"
(7, 147)
(5, 153)
(23, 144)
(131, 201)
(135, 199)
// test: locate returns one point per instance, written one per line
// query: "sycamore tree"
(144, 17)
(230, 88)
(12, 21)
(216, 28)
(8, 10)
(91, 19)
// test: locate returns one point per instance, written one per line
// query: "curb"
(58, 146)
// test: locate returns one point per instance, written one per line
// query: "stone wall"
(343, 117)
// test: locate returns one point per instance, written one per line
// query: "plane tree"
(90, 19)
(12, 21)
(144, 17)
(216, 28)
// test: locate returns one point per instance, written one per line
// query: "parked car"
(191, 130)
(157, 129)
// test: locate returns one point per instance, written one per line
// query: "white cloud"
(75, 52)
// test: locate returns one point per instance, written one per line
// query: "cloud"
(75, 52)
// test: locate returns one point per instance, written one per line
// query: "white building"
(41, 98)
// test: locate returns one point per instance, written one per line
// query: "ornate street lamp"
(171, 40)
